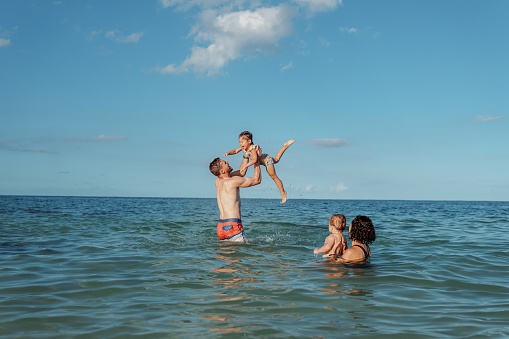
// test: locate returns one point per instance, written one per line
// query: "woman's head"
(362, 230)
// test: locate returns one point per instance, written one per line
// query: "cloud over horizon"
(339, 188)
(101, 137)
(325, 143)
(487, 117)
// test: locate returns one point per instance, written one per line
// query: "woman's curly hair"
(362, 230)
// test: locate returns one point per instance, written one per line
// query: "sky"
(397, 100)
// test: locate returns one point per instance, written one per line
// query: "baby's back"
(339, 246)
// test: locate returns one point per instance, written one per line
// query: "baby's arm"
(232, 152)
(327, 246)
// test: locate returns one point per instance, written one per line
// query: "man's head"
(218, 166)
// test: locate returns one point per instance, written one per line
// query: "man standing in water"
(228, 198)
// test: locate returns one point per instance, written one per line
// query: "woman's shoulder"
(356, 253)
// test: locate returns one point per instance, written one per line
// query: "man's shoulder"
(227, 180)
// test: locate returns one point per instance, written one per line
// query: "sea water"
(85, 267)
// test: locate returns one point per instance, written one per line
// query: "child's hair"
(215, 166)
(246, 134)
(338, 221)
(362, 230)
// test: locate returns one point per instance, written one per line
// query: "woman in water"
(362, 233)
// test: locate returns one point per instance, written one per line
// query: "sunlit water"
(154, 268)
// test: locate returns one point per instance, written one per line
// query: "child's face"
(244, 143)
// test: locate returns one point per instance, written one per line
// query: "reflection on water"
(334, 273)
(115, 267)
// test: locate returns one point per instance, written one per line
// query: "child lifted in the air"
(250, 158)
(335, 244)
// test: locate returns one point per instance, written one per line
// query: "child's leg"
(282, 150)
(272, 172)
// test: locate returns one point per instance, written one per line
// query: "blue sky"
(385, 99)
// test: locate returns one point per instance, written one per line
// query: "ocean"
(95, 267)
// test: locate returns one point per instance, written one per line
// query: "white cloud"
(319, 5)
(348, 30)
(288, 66)
(101, 137)
(111, 34)
(204, 4)
(34, 150)
(5, 36)
(4, 42)
(323, 143)
(121, 38)
(233, 35)
(309, 188)
(134, 38)
(487, 117)
(229, 30)
(324, 42)
(339, 188)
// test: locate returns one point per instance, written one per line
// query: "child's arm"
(245, 163)
(232, 152)
(327, 246)
(253, 159)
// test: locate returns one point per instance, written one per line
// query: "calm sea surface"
(80, 267)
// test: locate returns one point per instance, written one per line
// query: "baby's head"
(245, 138)
(337, 223)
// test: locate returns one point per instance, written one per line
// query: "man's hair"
(246, 134)
(362, 230)
(338, 221)
(215, 166)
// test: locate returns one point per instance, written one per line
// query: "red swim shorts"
(227, 228)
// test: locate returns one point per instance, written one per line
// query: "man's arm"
(249, 181)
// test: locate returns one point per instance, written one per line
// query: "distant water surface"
(153, 267)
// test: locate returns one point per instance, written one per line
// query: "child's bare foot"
(283, 194)
(289, 142)
(282, 150)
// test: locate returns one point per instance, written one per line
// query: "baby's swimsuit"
(231, 230)
(267, 158)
